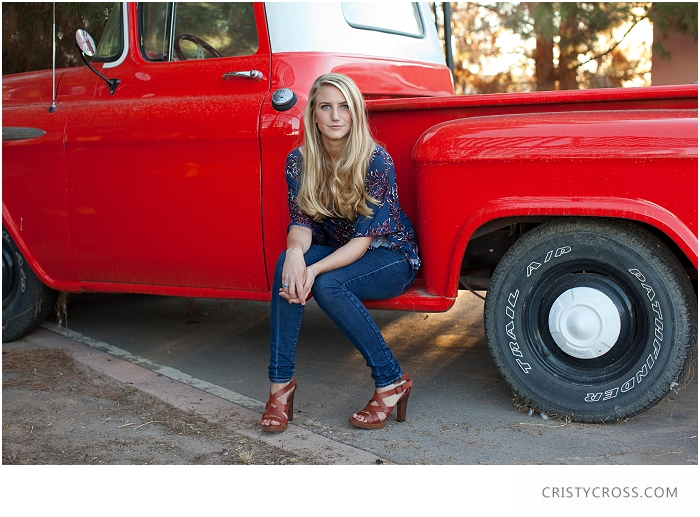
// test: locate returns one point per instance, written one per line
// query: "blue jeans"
(379, 274)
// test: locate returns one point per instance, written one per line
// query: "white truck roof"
(398, 30)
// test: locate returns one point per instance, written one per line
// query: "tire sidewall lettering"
(511, 306)
(644, 281)
(526, 363)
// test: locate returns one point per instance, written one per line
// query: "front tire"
(592, 320)
(26, 301)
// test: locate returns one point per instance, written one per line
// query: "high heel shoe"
(276, 411)
(372, 411)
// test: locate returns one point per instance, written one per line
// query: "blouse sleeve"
(292, 173)
(380, 184)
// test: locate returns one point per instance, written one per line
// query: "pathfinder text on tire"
(590, 319)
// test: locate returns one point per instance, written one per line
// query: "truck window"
(395, 17)
(111, 42)
(189, 30)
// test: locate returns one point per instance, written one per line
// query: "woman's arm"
(346, 254)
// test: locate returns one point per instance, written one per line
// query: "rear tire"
(26, 301)
(592, 320)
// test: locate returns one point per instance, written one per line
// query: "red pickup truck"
(159, 169)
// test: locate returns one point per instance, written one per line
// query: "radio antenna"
(53, 107)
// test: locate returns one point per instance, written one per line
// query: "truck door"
(164, 178)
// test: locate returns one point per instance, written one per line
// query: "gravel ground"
(58, 412)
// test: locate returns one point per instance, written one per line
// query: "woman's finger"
(286, 296)
(308, 284)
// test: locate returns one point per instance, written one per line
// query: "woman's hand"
(294, 274)
(295, 277)
(299, 278)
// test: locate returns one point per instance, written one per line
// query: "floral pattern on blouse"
(388, 225)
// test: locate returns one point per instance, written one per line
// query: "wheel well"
(491, 241)
(690, 269)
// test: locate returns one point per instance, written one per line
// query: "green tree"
(569, 35)
(476, 30)
(561, 42)
(27, 33)
(679, 17)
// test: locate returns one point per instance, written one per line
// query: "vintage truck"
(160, 170)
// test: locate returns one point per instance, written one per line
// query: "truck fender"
(510, 210)
(27, 301)
(12, 228)
(472, 171)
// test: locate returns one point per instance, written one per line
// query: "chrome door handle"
(255, 75)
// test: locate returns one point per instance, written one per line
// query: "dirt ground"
(58, 412)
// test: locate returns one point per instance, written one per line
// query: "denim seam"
(277, 380)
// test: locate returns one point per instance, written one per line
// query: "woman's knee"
(325, 285)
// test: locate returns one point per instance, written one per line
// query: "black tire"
(572, 287)
(26, 301)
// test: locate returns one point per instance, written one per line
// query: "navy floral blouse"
(388, 225)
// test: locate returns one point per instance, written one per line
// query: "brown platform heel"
(372, 411)
(277, 411)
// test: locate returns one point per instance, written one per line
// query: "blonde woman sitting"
(348, 240)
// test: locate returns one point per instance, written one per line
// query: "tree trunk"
(569, 34)
(543, 15)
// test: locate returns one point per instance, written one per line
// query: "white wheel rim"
(584, 323)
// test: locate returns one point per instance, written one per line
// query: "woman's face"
(332, 116)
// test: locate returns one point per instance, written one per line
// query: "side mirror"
(88, 48)
(85, 42)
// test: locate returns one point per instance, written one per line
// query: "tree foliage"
(575, 28)
(678, 17)
(27, 33)
(557, 39)
(681, 17)
(562, 45)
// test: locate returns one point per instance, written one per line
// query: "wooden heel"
(290, 401)
(401, 407)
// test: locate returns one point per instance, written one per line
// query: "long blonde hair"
(336, 191)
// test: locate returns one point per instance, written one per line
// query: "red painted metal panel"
(34, 193)
(175, 184)
(164, 176)
(638, 165)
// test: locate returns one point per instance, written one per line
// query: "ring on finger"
(286, 286)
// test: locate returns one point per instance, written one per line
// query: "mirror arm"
(113, 83)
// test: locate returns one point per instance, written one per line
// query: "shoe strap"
(402, 387)
(279, 410)
(285, 389)
(380, 396)
(371, 412)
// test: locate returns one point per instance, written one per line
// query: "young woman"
(348, 240)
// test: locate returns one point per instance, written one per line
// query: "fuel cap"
(283, 99)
